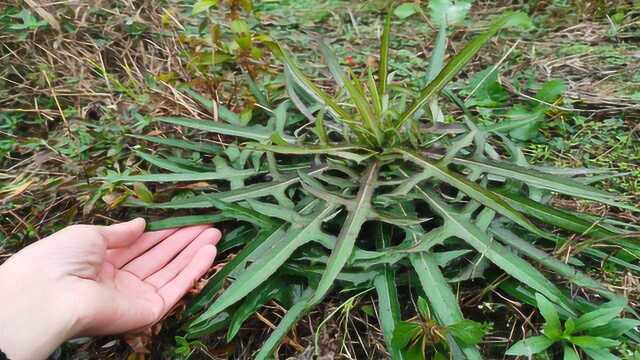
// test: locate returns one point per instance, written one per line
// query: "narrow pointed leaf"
(202, 147)
(388, 308)
(266, 265)
(245, 193)
(615, 328)
(291, 317)
(600, 354)
(374, 94)
(538, 179)
(388, 303)
(593, 342)
(599, 317)
(252, 303)
(567, 220)
(258, 91)
(276, 211)
(442, 300)
(293, 95)
(437, 55)
(320, 129)
(255, 132)
(207, 295)
(554, 216)
(475, 191)
(348, 233)
(214, 107)
(163, 163)
(383, 68)
(577, 277)
(175, 177)
(452, 68)
(346, 151)
(333, 63)
(496, 253)
(357, 95)
(569, 353)
(552, 327)
(530, 346)
(305, 83)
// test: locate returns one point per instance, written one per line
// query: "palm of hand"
(124, 280)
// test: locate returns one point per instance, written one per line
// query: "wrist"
(33, 322)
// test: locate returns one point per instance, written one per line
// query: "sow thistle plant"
(370, 189)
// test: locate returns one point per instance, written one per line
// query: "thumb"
(122, 234)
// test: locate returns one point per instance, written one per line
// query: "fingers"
(122, 234)
(167, 273)
(156, 258)
(173, 291)
(121, 256)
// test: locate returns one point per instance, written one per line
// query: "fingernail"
(140, 220)
(217, 236)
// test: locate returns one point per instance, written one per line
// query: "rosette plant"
(367, 187)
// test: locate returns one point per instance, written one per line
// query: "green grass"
(48, 162)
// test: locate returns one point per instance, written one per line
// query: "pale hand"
(97, 280)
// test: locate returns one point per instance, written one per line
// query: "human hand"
(97, 280)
